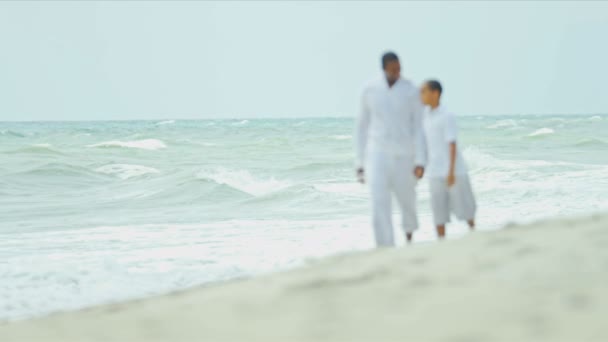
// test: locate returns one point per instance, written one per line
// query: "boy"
(449, 183)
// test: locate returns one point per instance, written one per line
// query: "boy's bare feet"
(441, 232)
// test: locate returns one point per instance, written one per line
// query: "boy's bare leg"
(471, 223)
(409, 237)
(441, 231)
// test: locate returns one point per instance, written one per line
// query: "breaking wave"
(243, 181)
(10, 133)
(591, 142)
(145, 144)
(541, 131)
(166, 122)
(35, 149)
(126, 171)
(503, 124)
(241, 123)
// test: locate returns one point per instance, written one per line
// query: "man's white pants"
(387, 175)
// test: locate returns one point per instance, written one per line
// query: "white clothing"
(391, 118)
(457, 199)
(387, 174)
(389, 144)
(440, 131)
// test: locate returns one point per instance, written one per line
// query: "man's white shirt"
(441, 130)
(391, 119)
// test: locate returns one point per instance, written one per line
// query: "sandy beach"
(546, 281)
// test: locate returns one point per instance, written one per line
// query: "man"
(390, 148)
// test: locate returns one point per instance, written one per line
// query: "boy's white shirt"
(440, 131)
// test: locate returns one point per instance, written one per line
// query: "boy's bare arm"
(451, 177)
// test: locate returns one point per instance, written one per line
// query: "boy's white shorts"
(457, 199)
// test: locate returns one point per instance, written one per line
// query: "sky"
(194, 60)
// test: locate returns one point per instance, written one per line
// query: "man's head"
(430, 93)
(391, 67)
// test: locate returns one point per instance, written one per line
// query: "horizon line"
(277, 118)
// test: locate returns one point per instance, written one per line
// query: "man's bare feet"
(471, 224)
(441, 232)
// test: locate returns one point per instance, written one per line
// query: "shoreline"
(544, 281)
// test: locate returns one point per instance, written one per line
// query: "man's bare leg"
(471, 223)
(441, 231)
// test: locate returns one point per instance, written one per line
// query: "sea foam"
(503, 124)
(145, 144)
(166, 122)
(241, 123)
(126, 171)
(243, 181)
(541, 131)
(595, 118)
(342, 189)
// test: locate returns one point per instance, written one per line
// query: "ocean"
(98, 212)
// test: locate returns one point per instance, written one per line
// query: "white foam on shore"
(397, 287)
(69, 270)
(344, 189)
(145, 144)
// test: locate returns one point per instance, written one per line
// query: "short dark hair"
(389, 57)
(434, 85)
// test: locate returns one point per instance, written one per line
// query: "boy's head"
(430, 92)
